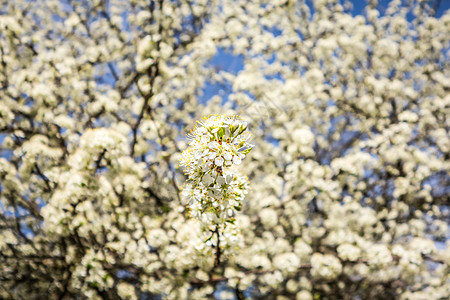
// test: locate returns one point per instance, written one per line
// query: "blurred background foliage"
(348, 104)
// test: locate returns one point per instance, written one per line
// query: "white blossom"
(348, 182)
(325, 266)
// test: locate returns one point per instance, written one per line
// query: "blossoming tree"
(348, 193)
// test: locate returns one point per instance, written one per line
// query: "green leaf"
(221, 132)
(247, 151)
(242, 129)
(232, 129)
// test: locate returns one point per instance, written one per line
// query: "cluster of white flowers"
(349, 179)
(96, 143)
(348, 252)
(325, 266)
(215, 188)
(379, 255)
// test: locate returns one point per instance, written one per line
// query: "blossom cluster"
(349, 179)
(215, 188)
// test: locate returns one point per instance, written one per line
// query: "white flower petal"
(220, 180)
(207, 179)
(228, 178)
(213, 145)
(227, 156)
(219, 161)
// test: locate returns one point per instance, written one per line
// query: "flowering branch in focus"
(215, 188)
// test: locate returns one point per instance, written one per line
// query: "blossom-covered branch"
(215, 188)
(349, 181)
